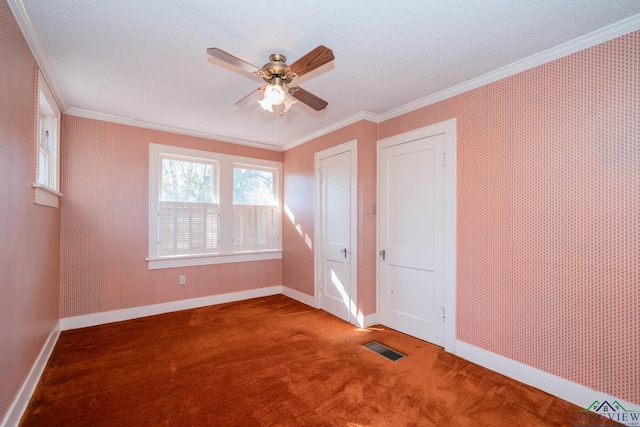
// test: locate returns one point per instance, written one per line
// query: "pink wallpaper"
(105, 223)
(367, 225)
(29, 233)
(548, 218)
(297, 262)
(548, 263)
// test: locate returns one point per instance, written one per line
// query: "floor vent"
(385, 351)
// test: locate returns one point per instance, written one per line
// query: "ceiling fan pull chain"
(278, 114)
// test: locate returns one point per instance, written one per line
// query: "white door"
(335, 286)
(412, 237)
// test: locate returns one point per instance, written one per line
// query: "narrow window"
(188, 209)
(256, 223)
(47, 147)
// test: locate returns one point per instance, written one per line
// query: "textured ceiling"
(146, 60)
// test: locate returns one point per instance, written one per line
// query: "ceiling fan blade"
(230, 59)
(312, 60)
(250, 98)
(310, 99)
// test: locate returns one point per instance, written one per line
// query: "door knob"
(383, 253)
(344, 251)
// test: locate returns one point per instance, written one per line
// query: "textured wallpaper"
(298, 224)
(29, 233)
(548, 262)
(548, 258)
(105, 182)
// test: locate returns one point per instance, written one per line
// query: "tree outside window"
(253, 187)
(186, 181)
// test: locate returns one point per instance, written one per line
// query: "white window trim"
(276, 186)
(47, 195)
(215, 203)
(195, 260)
(226, 163)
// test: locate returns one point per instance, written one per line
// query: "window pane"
(44, 150)
(253, 187)
(184, 181)
(43, 168)
(45, 133)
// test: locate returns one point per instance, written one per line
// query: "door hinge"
(444, 159)
(443, 313)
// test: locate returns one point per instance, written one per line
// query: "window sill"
(46, 196)
(195, 260)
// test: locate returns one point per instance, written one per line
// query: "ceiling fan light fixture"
(288, 102)
(273, 95)
(277, 93)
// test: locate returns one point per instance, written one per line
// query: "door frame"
(449, 129)
(355, 314)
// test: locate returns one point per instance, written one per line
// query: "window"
(209, 208)
(47, 147)
(255, 209)
(187, 209)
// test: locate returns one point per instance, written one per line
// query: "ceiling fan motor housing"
(276, 68)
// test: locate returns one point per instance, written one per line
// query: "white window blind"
(255, 227)
(188, 228)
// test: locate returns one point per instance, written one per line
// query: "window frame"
(224, 173)
(247, 248)
(47, 116)
(215, 203)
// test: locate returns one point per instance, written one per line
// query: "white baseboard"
(94, 319)
(299, 296)
(560, 387)
(361, 321)
(370, 320)
(21, 401)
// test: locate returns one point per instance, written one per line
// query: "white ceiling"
(146, 60)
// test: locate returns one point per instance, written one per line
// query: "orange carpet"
(271, 362)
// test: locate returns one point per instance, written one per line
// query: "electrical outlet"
(183, 280)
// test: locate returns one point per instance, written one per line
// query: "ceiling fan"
(279, 76)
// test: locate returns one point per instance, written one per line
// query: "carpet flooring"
(271, 362)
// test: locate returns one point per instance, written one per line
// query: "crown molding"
(354, 118)
(165, 128)
(594, 38)
(42, 59)
(88, 114)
